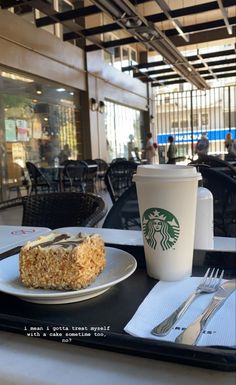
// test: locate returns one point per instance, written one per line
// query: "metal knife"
(191, 335)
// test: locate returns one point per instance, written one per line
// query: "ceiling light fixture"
(38, 90)
(66, 101)
(16, 77)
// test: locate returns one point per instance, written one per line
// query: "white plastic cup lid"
(167, 171)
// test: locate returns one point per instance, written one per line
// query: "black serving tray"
(110, 312)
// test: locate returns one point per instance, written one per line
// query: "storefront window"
(123, 131)
(37, 119)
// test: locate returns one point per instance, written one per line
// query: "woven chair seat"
(65, 209)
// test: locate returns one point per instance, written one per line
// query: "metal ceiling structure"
(163, 31)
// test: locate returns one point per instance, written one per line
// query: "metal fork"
(209, 284)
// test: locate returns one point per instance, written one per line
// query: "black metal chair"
(124, 214)
(65, 209)
(74, 176)
(38, 181)
(119, 177)
(102, 168)
(215, 162)
(223, 188)
(16, 179)
(10, 203)
(115, 160)
(180, 159)
(91, 175)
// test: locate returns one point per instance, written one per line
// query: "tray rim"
(216, 358)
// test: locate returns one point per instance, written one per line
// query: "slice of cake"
(62, 261)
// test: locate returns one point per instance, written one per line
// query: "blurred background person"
(202, 145)
(64, 154)
(150, 149)
(230, 145)
(172, 150)
(130, 146)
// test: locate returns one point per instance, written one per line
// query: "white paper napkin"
(165, 297)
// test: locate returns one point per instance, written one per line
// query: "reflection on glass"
(35, 126)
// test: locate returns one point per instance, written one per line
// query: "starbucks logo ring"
(158, 220)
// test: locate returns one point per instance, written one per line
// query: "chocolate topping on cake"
(59, 241)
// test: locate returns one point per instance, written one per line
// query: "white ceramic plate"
(119, 266)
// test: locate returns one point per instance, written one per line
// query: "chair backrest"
(35, 173)
(75, 172)
(119, 177)
(115, 160)
(33, 170)
(91, 177)
(90, 161)
(75, 169)
(92, 167)
(223, 189)
(102, 165)
(124, 214)
(214, 161)
(62, 209)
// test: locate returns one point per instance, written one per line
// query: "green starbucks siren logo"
(157, 220)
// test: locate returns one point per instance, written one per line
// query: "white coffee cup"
(167, 198)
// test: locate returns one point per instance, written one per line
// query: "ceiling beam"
(176, 23)
(224, 69)
(210, 77)
(170, 33)
(47, 9)
(125, 14)
(203, 37)
(202, 72)
(68, 15)
(12, 3)
(157, 84)
(112, 43)
(192, 10)
(225, 17)
(206, 65)
(90, 10)
(209, 55)
(226, 75)
(114, 27)
(138, 73)
(92, 31)
(202, 26)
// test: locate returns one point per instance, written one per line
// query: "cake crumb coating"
(61, 261)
